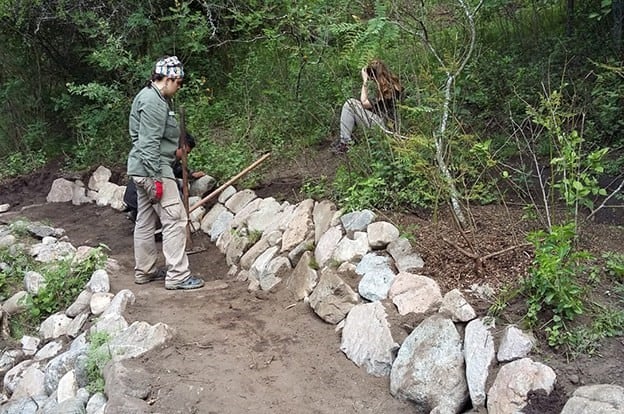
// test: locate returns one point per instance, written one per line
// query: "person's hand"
(198, 174)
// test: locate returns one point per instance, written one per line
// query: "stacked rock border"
(449, 362)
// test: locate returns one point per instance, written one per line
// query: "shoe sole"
(180, 287)
(160, 275)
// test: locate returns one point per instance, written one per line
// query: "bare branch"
(605, 201)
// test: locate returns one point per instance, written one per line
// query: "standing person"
(155, 132)
(378, 109)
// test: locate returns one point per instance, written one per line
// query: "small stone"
(261, 294)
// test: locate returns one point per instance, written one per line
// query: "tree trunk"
(570, 18)
(617, 8)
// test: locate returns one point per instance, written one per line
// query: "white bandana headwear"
(170, 67)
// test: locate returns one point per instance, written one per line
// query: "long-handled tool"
(183, 144)
(229, 182)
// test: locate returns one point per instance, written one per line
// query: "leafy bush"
(605, 122)
(221, 160)
(552, 285)
(614, 265)
(316, 187)
(100, 125)
(16, 262)
(571, 313)
(64, 280)
(385, 175)
(20, 163)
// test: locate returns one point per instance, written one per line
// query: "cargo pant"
(352, 114)
(173, 219)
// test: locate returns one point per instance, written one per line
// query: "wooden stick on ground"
(479, 259)
(229, 182)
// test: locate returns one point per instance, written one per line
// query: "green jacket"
(155, 133)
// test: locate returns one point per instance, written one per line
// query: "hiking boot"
(191, 283)
(158, 235)
(339, 147)
(131, 215)
(159, 275)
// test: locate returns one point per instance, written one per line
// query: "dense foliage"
(271, 75)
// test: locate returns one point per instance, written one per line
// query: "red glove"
(158, 187)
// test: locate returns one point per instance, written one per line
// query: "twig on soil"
(505, 250)
(188, 379)
(268, 361)
(189, 252)
(290, 306)
(198, 345)
(409, 328)
(480, 259)
(460, 249)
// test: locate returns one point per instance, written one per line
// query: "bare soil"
(235, 351)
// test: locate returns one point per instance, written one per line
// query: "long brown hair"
(388, 82)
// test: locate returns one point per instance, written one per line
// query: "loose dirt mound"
(238, 352)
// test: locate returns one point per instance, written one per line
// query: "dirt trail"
(234, 351)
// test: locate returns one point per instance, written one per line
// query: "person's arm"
(364, 91)
(177, 168)
(151, 130)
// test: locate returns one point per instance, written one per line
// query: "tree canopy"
(271, 75)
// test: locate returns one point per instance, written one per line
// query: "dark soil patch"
(540, 402)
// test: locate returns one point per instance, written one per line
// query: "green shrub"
(605, 323)
(552, 286)
(316, 187)
(98, 355)
(17, 263)
(605, 124)
(21, 163)
(614, 265)
(100, 123)
(222, 160)
(64, 280)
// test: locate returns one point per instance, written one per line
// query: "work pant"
(353, 113)
(173, 219)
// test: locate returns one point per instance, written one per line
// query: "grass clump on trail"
(98, 355)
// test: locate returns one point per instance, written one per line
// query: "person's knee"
(352, 103)
(173, 213)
